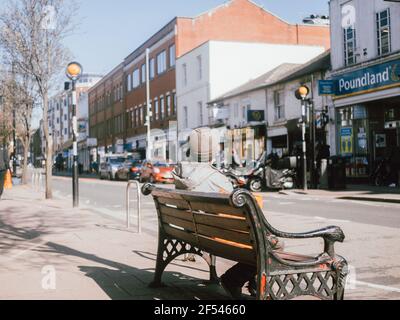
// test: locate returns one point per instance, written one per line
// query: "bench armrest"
(330, 235)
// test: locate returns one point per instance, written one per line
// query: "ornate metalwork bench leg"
(160, 264)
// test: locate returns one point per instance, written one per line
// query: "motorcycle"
(280, 179)
(249, 176)
(251, 179)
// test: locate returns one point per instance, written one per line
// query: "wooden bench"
(235, 228)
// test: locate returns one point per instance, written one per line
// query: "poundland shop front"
(367, 102)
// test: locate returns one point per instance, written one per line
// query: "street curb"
(386, 200)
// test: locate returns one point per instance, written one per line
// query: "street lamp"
(74, 72)
(301, 94)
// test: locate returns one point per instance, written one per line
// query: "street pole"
(303, 126)
(75, 173)
(148, 105)
(74, 72)
(14, 145)
(14, 159)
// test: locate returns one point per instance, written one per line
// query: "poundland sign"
(374, 78)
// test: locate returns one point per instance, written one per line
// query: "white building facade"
(60, 119)
(267, 110)
(217, 67)
(366, 72)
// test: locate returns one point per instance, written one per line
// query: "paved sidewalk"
(354, 192)
(94, 257)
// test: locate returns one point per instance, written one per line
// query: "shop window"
(383, 32)
(349, 46)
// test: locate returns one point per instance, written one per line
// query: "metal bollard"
(128, 206)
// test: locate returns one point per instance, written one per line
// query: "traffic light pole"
(75, 173)
(303, 127)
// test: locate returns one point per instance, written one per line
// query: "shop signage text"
(369, 79)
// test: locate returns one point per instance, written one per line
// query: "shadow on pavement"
(123, 282)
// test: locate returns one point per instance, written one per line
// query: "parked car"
(130, 170)
(110, 166)
(156, 172)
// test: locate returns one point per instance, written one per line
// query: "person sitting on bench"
(199, 175)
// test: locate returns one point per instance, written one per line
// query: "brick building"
(118, 102)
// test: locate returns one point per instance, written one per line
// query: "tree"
(19, 96)
(31, 36)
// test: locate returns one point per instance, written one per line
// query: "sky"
(110, 30)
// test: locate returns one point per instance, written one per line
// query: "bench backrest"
(209, 221)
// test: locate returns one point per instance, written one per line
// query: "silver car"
(110, 166)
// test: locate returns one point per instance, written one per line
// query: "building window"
(185, 117)
(199, 68)
(135, 79)
(161, 62)
(168, 105)
(162, 107)
(184, 74)
(143, 73)
(174, 103)
(129, 83)
(172, 56)
(236, 110)
(156, 110)
(279, 105)
(349, 46)
(152, 69)
(384, 32)
(200, 108)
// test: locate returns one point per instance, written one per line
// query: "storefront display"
(367, 104)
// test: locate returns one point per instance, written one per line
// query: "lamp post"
(302, 94)
(149, 107)
(74, 72)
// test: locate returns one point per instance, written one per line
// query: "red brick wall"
(242, 20)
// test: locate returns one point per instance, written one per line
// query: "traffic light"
(302, 93)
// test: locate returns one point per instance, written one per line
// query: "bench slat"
(228, 251)
(234, 236)
(222, 221)
(187, 225)
(216, 208)
(181, 234)
(181, 204)
(177, 213)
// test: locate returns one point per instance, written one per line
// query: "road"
(372, 229)
(109, 198)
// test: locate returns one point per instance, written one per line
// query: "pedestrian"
(323, 153)
(199, 175)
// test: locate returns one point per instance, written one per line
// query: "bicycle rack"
(128, 205)
(37, 179)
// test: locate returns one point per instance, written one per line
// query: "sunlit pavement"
(91, 248)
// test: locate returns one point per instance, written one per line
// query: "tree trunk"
(49, 147)
(26, 146)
